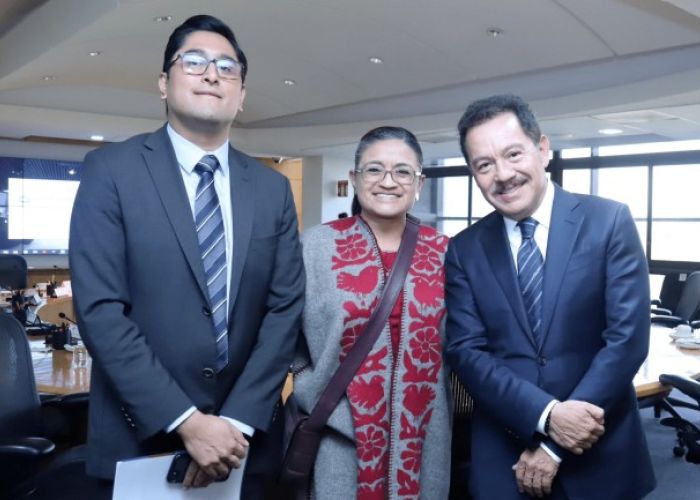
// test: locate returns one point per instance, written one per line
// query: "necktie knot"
(208, 164)
(527, 228)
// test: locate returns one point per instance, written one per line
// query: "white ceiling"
(580, 64)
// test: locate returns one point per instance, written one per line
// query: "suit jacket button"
(208, 372)
(206, 311)
(541, 360)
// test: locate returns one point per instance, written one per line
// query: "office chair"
(670, 293)
(27, 467)
(463, 407)
(687, 311)
(687, 433)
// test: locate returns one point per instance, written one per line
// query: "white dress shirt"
(543, 216)
(188, 155)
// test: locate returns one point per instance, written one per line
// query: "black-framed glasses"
(403, 175)
(194, 63)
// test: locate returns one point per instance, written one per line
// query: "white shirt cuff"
(543, 417)
(244, 428)
(180, 419)
(549, 452)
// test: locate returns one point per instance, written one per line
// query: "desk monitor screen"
(36, 200)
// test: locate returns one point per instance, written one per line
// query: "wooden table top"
(664, 357)
(54, 371)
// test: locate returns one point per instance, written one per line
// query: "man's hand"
(576, 425)
(215, 446)
(535, 472)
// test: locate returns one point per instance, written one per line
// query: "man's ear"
(543, 147)
(163, 85)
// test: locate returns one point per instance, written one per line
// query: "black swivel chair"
(687, 433)
(688, 309)
(670, 293)
(463, 407)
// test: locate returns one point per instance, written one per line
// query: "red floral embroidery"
(352, 247)
(429, 292)
(426, 259)
(341, 225)
(411, 456)
(367, 394)
(416, 398)
(425, 345)
(407, 486)
(370, 444)
(362, 283)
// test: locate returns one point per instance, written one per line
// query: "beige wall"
(292, 169)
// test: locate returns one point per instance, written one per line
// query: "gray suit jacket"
(142, 302)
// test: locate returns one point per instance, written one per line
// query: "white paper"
(144, 479)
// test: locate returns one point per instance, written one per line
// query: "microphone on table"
(62, 315)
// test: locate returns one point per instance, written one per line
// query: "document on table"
(144, 479)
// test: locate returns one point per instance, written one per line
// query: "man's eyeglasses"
(194, 63)
(401, 175)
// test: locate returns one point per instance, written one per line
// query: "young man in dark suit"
(548, 322)
(187, 277)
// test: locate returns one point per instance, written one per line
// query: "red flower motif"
(349, 338)
(366, 394)
(370, 444)
(426, 259)
(407, 485)
(425, 345)
(341, 225)
(371, 492)
(411, 456)
(362, 283)
(352, 247)
(416, 398)
(429, 292)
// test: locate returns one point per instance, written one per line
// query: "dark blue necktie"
(530, 275)
(212, 246)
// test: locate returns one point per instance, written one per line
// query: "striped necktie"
(212, 246)
(531, 276)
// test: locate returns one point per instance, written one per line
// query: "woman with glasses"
(389, 437)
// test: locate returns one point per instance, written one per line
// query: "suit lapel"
(162, 164)
(497, 249)
(563, 232)
(242, 206)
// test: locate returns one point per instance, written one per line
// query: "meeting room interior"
(614, 85)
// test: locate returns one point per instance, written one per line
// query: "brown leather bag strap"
(346, 371)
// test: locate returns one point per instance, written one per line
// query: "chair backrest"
(13, 272)
(19, 403)
(671, 290)
(689, 304)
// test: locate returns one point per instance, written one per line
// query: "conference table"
(56, 373)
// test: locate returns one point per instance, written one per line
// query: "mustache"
(503, 187)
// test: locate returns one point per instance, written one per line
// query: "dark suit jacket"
(143, 307)
(595, 315)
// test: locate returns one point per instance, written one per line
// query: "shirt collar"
(188, 153)
(542, 215)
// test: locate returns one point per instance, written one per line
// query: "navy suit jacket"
(143, 306)
(595, 335)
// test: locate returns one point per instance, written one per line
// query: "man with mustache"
(548, 322)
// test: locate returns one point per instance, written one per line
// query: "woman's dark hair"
(483, 110)
(384, 134)
(202, 23)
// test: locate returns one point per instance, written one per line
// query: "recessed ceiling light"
(162, 19)
(290, 83)
(376, 60)
(96, 137)
(94, 53)
(494, 32)
(48, 78)
(71, 171)
(610, 131)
